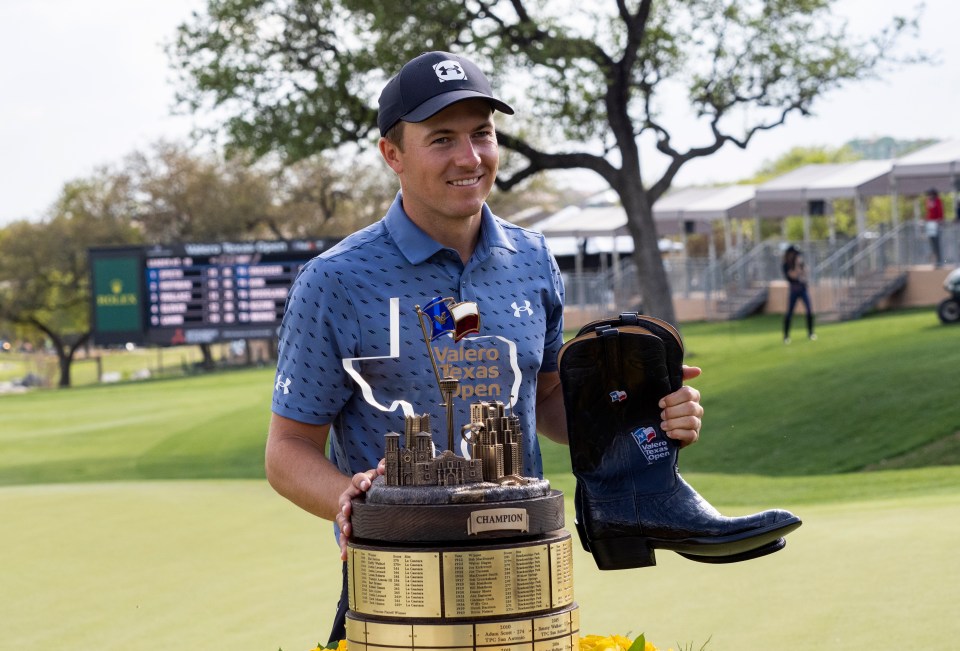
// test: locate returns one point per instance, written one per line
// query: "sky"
(83, 83)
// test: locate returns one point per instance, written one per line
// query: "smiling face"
(447, 166)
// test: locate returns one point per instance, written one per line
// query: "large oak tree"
(44, 268)
(294, 77)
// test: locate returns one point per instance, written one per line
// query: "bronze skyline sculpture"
(493, 436)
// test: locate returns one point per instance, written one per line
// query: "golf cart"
(949, 309)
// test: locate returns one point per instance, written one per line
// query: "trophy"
(459, 551)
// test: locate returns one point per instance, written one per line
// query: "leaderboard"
(195, 293)
(198, 293)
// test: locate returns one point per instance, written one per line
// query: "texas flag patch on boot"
(653, 446)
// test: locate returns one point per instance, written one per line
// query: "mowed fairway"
(163, 565)
(216, 564)
(204, 426)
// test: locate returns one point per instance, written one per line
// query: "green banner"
(117, 300)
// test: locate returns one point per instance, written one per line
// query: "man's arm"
(298, 469)
(551, 417)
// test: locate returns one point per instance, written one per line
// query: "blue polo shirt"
(352, 350)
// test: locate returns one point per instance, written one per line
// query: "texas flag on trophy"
(446, 315)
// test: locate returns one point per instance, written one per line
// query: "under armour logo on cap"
(414, 95)
(447, 70)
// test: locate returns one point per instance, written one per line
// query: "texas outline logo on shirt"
(510, 391)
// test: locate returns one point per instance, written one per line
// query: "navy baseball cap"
(430, 83)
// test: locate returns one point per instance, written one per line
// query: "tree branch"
(540, 161)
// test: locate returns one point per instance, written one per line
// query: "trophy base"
(557, 631)
(512, 594)
(403, 523)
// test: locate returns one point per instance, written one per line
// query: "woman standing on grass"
(795, 271)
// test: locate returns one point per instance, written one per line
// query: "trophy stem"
(426, 341)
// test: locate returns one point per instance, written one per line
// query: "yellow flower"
(341, 646)
(609, 643)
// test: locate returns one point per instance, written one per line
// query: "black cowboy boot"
(630, 498)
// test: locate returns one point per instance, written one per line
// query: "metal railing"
(833, 268)
(862, 258)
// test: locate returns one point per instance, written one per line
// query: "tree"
(327, 196)
(296, 77)
(187, 197)
(44, 270)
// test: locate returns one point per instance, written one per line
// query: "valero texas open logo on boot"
(654, 448)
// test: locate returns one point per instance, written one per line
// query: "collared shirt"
(353, 353)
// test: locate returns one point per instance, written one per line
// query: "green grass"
(205, 426)
(229, 565)
(868, 391)
(872, 393)
(86, 368)
(135, 563)
(150, 566)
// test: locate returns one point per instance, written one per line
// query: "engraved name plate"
(491, 582)
(556, 632)
(395, 583)
(499, 580)
(561, 572)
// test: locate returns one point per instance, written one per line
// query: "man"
(933, 224)
(352, 356)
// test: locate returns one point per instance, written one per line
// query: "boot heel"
(622, 553)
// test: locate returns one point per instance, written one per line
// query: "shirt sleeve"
(553, 338)
(319, 329)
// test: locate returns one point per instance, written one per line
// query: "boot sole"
(638, 551)
(770, 548)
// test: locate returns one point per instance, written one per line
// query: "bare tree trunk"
(207, 352)
(65, 355)
(657, 299)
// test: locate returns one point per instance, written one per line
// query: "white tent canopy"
(588, 221)
(936, 166)
(808, 190)
(563, 245)
(792, 193)
(701, 206)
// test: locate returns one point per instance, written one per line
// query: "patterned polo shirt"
(353, 352)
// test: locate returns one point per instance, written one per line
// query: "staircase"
(741, 302)
(862, 274)
(865, 293)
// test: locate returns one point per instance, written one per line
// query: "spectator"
(934, 223)
(795, 271)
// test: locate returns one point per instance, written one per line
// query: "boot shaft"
(613, 379)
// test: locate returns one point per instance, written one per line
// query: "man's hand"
(682, 413)
(359, 484)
